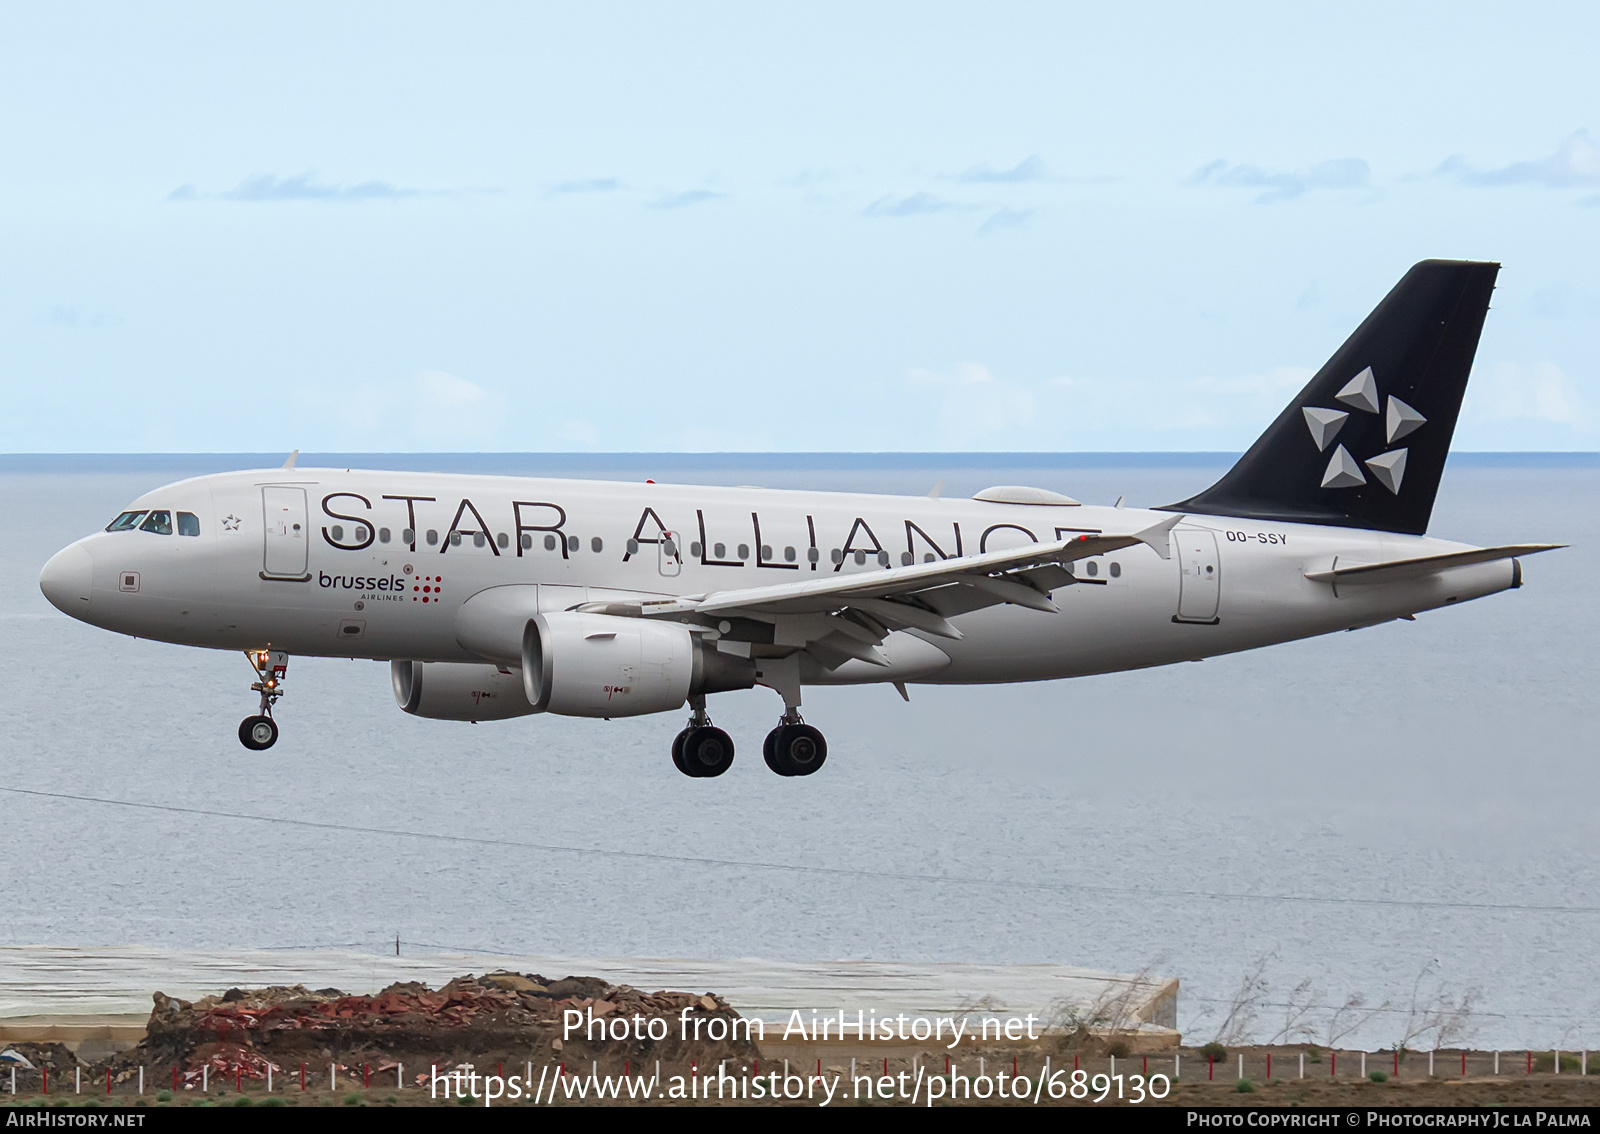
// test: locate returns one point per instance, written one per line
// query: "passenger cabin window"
(188, 524)
(125, 522)
(158, 522)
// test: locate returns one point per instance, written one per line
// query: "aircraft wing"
(854, 612)
(1397, 570)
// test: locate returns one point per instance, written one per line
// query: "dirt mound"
(514, 1016)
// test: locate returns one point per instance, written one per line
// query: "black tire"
(707, 752)
(677, 752)
(769, 751)
(797, 750)
(258, 733)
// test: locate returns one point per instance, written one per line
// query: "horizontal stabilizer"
(1399, 570)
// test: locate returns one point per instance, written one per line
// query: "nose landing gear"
(260, 732)
(702, 750)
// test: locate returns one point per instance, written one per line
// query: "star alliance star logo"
(230, 522)
(1361, 394)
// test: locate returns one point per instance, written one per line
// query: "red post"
(885, 1065)
(1211, 1064)
(1013, 1066)
(1074, 1062)
(1463, 1063)
(1269, 1065)
(947, 1065)
(819, 1067)
(108, 1080)
(366, 1075)
(302, 1076)
(1333, 1064)
(1144, 1066)
(238, 1078)
(46, 1072)
(1530, 1063)
(1397, 1063)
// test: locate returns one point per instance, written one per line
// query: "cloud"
(914, 205)
(1004, 219)
(588, 185)
(685, 199)
(1337, 173)
(580, 433)
(1028, 169)
(267, 187)
(972, 401)
(1539, 391)
(1576, 163)
(68, 315)
(433, 410)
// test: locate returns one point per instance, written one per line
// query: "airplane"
(500, 597)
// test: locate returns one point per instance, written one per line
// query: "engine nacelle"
(458, 691)
(602, 665)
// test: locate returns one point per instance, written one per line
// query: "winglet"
(1159, 536)
(289, 464)
(933, 493)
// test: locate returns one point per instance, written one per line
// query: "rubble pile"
(514, 1016)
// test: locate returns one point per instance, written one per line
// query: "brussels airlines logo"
(360, 582)
(1361, 394)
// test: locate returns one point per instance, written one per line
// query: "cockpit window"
(125, 522)
(188, 523)
(158, 522)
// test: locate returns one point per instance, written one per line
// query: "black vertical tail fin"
(1364, 444)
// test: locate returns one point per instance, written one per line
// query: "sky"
(735, 227)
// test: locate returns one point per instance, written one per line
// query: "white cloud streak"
(1336, 173)
(1575, 164)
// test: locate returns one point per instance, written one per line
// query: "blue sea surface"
(1407, 812)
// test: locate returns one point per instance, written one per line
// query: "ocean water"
(1406, 813)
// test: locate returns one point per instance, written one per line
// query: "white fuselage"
(324, 562)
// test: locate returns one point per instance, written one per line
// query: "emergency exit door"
(1200, 575)
(286, 546)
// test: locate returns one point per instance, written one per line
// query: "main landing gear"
(260, 732)
(702, 750)
(794, 748)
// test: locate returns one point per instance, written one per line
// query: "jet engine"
(601, 665)
(458, 691)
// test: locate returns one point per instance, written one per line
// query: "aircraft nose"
(67, 578)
